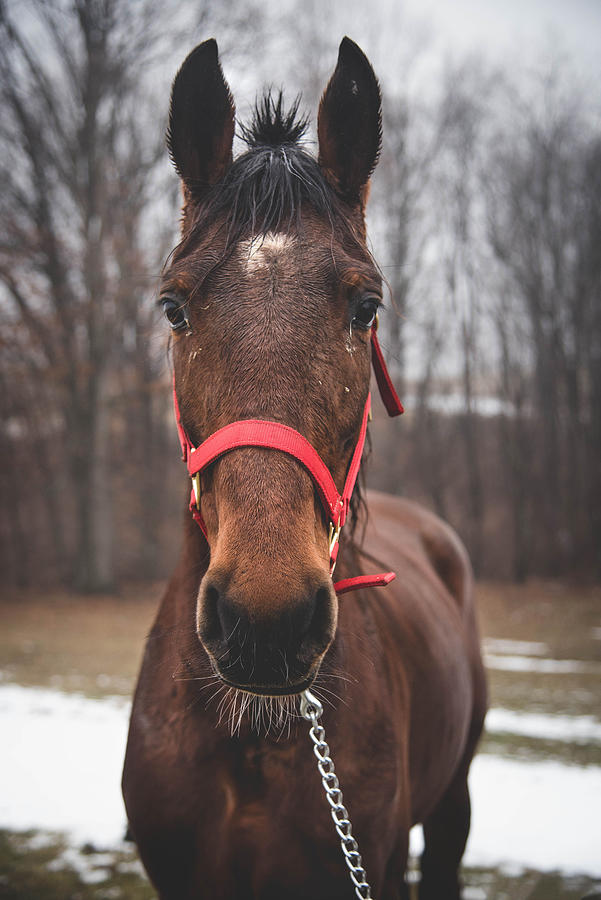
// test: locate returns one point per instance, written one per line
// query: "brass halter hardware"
(333, 536)
(196, 489)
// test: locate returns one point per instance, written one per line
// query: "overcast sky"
(413, 36)
(504, 28)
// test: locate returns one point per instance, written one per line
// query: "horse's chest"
(261, 805)
(258, 773)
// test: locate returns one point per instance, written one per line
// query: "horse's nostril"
(211, 596)
(213, 623)
(315, 637)
(300, 621)
(229, 619)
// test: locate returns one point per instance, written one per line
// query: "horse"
(272, 298)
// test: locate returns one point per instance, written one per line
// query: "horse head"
(272, 295)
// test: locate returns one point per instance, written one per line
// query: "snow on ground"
(541, 815)
(523, 648)
(530, 664)
(573, 729)
(60, 763)
(61, 758)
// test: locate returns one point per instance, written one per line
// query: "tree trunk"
(91, 475)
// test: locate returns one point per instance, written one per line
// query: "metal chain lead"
(312, 710)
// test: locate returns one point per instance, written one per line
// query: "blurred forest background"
(485, 216)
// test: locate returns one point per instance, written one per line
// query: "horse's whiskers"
(319, 690)
(213, 696)
(177, 677)
(265, 714)
(325, 676)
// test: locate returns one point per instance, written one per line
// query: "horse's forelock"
(267, 187)
(272, 125)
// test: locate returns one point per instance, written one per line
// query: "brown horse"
(272, 296)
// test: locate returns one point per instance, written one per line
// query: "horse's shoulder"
(413, 526)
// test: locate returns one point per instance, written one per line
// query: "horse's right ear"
(201, 120)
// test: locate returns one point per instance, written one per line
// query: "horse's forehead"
(262, 251)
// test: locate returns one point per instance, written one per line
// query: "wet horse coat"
(272, 295)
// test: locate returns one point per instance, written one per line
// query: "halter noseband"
(275, 436)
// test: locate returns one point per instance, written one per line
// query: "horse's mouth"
(288, 689)
(291, 683)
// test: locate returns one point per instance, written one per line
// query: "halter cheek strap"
(276, 436)
(389, 396)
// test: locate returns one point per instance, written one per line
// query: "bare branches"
(76, 176)
(493, 236)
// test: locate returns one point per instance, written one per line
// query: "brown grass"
(562, 615)
(77, 643)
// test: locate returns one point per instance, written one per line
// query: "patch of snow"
(530, 664)
(131, 867)
(572, 729)
(539, 815)
(92, 868)
(523, 648)
(39, 840)
(60, 768)
(473, 893)
(511, 870)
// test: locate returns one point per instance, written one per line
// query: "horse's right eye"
(175, 313)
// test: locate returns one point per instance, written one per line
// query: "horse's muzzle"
(262, 645)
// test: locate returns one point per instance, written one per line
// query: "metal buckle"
(196, 489)
(333, 537)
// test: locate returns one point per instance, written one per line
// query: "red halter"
(275, 436)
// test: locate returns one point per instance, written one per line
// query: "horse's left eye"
(365, 314)
(175, 313)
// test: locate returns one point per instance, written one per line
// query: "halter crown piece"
(275, 436)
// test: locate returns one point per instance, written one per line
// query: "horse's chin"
(271, 690)
(284, 688)
(265, 709)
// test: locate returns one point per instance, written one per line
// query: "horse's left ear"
(349, 124)
(201, 120)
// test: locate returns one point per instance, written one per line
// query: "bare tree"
(460, 213)
(75, 170)
(543, 220)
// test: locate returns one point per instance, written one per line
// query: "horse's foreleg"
(445, 836)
